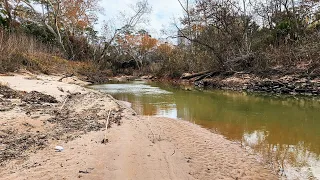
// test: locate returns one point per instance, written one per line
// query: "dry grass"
(19, 51)
(15, 49)
(11, 43)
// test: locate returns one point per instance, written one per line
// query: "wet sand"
(139, 147)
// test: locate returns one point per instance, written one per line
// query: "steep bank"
(291, 84)
(288, 84)
(140, 148)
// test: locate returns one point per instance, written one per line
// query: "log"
(207, 75)
(195, 75)
(65, 76)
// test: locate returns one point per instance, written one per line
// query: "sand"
(140, 148)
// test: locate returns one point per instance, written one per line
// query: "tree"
(129, 22)
(11, 10)
(64, 19)
(219, 26)
(288, 20)
(137, 46)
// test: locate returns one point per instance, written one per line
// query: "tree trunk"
(195, 75)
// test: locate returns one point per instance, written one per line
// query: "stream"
(284, 130)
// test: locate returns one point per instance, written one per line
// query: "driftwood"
(201, 75)
(64, 102)
(65, 76)
(207, 75)
(245, 60)
(69, 96)
(195, 75)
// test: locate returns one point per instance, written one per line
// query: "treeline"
(65, 29)
(213, 35)
(67, 25)
(250, 36)
(40, 34)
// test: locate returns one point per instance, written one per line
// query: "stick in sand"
(107, 123)
(64, 102)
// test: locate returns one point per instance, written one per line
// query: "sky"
(163, 13)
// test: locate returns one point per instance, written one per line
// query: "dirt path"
(140, 148)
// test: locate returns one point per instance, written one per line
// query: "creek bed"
(285, 130)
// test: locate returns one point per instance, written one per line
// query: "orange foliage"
(140, 42)
(147, 43)
(165, 48)
(82, 24)
(77, 12)
(198, 28)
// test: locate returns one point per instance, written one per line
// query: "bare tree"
(220, 26)
(130, 21)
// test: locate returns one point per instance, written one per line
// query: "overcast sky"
(163, 13)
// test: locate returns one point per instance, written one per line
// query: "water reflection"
(286, 131)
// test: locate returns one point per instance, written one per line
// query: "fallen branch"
(65, 76)
(207, 75)
(64, 102)
(195, 75)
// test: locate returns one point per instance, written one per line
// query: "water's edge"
(284, 130)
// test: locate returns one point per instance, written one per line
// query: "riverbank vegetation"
(258, 37)
(263, 39)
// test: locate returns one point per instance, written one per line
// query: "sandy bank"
(139, 147)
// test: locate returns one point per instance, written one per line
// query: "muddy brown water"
(285, 131)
